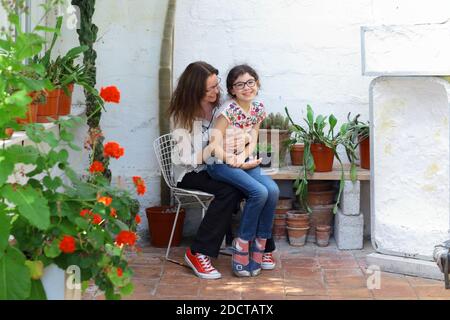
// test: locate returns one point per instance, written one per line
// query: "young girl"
(245, 113)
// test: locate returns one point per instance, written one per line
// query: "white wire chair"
(163, 146)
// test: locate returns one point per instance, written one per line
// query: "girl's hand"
(251, 164)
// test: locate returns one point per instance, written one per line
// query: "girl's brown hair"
(185, 102)
(238, 71)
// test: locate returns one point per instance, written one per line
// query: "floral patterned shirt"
(238, 118)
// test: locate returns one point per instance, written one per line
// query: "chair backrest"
(163, 148)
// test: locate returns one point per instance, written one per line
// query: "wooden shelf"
(292, 172)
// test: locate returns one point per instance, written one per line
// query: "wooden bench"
(292, 172)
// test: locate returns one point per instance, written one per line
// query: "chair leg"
(203, 212)
(173, 231)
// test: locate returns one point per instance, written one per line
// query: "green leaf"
(37, 291)
(21, 154)
(28, 45)
(19, 98)
(45, 29)
(310, 114)
(66, 135)
(127, 290)
(52, 250)
(15, 281)
(82, 223)
(5, 227)
(6, 167)
(30, 204)
(74, 146)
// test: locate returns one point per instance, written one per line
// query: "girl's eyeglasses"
(241, 85)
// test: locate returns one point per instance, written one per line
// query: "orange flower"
(85, 212)
(105, 200)
(113, 149)
(119, 271)
(113, 213)
(67, 244)
(110, 94)
(137, 219)
(140, 185)
(96, 166)
(97, 219)
(126, 237)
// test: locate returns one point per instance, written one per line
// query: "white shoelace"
(206, 263)
(267, 257)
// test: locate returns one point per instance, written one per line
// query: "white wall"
(305, 51)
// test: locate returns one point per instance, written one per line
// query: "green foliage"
(36, 216)
(319, 129)
(276, 121)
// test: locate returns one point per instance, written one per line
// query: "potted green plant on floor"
(320, 147)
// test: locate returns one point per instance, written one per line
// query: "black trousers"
(217, 220)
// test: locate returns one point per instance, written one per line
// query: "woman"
(192, 109)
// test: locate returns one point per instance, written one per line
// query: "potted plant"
(359, 136)
(321, 141)
(58, 217)
(264, 151)
(276, 124)
(296, 149)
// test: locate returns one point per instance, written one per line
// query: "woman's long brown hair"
(185, 102)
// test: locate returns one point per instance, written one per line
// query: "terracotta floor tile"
(349, 293)
(177, 290)
(431, 292)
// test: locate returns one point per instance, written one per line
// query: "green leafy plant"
(358, 131)
(49, 214)
(320, 129)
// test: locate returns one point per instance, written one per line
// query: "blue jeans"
(262, 196)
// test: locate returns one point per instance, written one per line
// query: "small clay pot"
(297, 151)
(323, 235)
(297, 236)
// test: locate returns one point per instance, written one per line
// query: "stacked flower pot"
(321, 200)
(279, 223)
(297, 227)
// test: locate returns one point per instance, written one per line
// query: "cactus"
(276, 121)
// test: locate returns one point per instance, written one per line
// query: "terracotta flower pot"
(279, 227)
(364, 153)
(297, 236)
(297, 151)
(9, 132)
(320, 185)
(65, 101)
(284, 203)
(160, 221)
(323, 235)
(320, 215)
(321, 197)
(323, 157)
(297, 220)
(50, 108)
(30, 116)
